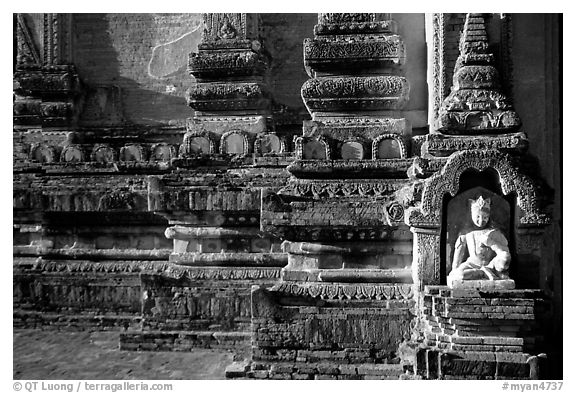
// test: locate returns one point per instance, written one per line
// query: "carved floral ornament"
(447, 181)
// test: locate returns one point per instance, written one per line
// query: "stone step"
(74, 320)
(320, 370)
(184, 340)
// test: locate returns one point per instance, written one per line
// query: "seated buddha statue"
(482, 253)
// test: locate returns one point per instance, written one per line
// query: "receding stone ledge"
(366, 275)
(230, 259)
(91, 254)
(483, 285)
(387, 168)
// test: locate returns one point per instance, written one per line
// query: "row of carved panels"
(385, 146)
(231, 143)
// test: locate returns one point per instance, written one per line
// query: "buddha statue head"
(480, 210)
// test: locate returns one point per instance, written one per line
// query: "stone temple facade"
(297, 188)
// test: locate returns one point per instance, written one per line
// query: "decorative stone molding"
(370, 52)
(332, 291)
(234, 63)
(334, 189)
(355, 93)
(325, 27)
(228, 96)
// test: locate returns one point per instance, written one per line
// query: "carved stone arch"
(301, 142)
(72, 153)
(103, 153)
(351, 142)
(224, 144)
(447, 181)
(401, 145)
(42, 153)
(163, 152)
(259, 143)
(187, 147)
(132, 152)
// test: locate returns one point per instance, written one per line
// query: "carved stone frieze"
(228, 96)
(117, 200)
(232, 63)
(324, 27)
(322, 54)
(343, 18)
(352, 168)
(48, 79)
(328, 94)
(338, 189)
(331, 291)
(510, 143)
(389, 86)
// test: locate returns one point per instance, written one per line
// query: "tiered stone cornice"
(476, 104)
(229, 67)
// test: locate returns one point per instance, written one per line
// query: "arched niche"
(199, 145)
(234, 142)
(42, 153)
(314, 150)
(352, 150)
(268, 144)
(72, 153)
(162, 152)
(389, 146)
(466, 170)
(132, 152)
(103, 154)
(458, 218)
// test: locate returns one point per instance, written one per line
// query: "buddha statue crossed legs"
(483, 253)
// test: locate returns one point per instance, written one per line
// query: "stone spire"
(476, 105)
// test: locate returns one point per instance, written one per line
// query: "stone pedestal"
(482, 334)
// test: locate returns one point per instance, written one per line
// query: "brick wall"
(144, 56)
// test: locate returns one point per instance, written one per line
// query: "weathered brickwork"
(269, 184)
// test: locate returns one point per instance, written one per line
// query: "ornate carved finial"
(476, 105)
